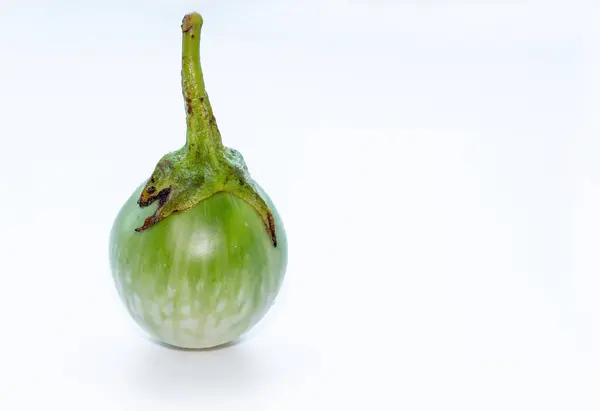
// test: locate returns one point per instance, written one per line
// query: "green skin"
(198, 252)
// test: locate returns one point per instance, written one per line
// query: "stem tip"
(190, 21)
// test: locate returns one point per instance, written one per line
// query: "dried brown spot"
(163, 196)
(149, 222)
(188, 104)
(186, 24)
(271, 228)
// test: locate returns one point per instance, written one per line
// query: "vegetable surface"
(198, 253)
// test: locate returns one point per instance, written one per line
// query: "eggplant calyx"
(203, 167)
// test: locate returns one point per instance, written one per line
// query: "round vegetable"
(198, 253)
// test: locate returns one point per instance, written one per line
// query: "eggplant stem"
(203, 136)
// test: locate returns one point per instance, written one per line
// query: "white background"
(436, 164)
